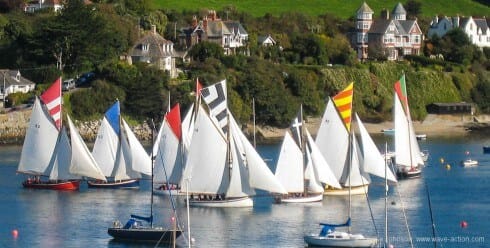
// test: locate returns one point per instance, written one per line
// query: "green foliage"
(18, 98)
(91, 103)
(205, 50)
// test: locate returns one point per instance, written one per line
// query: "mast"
(303, 150)
(386, 199)
(350, 170)
(253, 110)
(152, 176)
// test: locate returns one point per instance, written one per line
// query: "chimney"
(456, 21)
(154, 29)
(194, 21)
(385, 14)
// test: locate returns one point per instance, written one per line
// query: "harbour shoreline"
(13, 125)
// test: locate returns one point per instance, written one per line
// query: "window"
(145, 47)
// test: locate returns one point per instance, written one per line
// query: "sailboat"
(301, 168)
(328, 236)
(119, 154)
(408, 159)
(46, 150)
(135, 230)
(334, 142)
(222, 167)
(171, 152)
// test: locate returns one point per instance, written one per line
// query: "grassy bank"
(340, 8)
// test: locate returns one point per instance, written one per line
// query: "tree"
(413, 8)
(205, 50)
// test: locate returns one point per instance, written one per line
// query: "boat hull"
(65, 185)
(238, 202)
(125, 184)
(469, 163)
(323, 241)
(144, 234)
(358, 190)
(414, 172)
(300, 199)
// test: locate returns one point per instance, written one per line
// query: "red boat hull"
(64, 185)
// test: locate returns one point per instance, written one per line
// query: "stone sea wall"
(13, 125)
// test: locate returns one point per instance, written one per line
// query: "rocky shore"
(13, 126)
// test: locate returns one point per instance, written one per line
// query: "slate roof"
(155, 49)
(364, 8)
(10, 77)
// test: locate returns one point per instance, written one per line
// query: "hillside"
(340, 8)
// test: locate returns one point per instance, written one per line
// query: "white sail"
(414, 144)
(373, 161)
(355, 173)
(239, 179)
(168, 159)
(407, 153)
(289, 168)
(123, 169)
(206, 161)
(60, 162)
(140, 160)
(188, 128)
(322, 170)
(259, 174)
(39, 142)
(82, 161)
(314, 186)
(105, 147)
(333, 140)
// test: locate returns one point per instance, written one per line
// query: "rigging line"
(404, 214)
(370, 209)
(431, 215)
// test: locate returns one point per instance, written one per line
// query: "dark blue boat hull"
(486, 149)
(144, 234)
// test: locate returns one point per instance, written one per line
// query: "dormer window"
(145, 47)
(17, 76)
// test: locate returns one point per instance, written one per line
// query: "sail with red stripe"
(174, 121)
(52, 99)
(401, 91)
(343, 103)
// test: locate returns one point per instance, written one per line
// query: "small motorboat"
(328, 237)
(421, 136)
(469, 163)
(388, 131)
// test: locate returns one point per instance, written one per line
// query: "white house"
(477, 29)
(12, 82)
(155, 50)
(32, 6)
(266, 40)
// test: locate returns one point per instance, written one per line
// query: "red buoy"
(464, 224)
(15, 233)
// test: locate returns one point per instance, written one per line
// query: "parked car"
(85, 78)
(68, 84)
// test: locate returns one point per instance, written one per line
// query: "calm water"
(46, 218)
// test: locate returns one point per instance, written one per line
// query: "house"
(12, 82)
(266, 41)
(155, 50)
(35, 5)
(230, 35)
(477, 29)
(393, 36)
(450, 108)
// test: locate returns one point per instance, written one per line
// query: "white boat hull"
(316, 240)
(301, 199)
(240, 202)
(174, 192)
(469, 163)
(358, 190)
